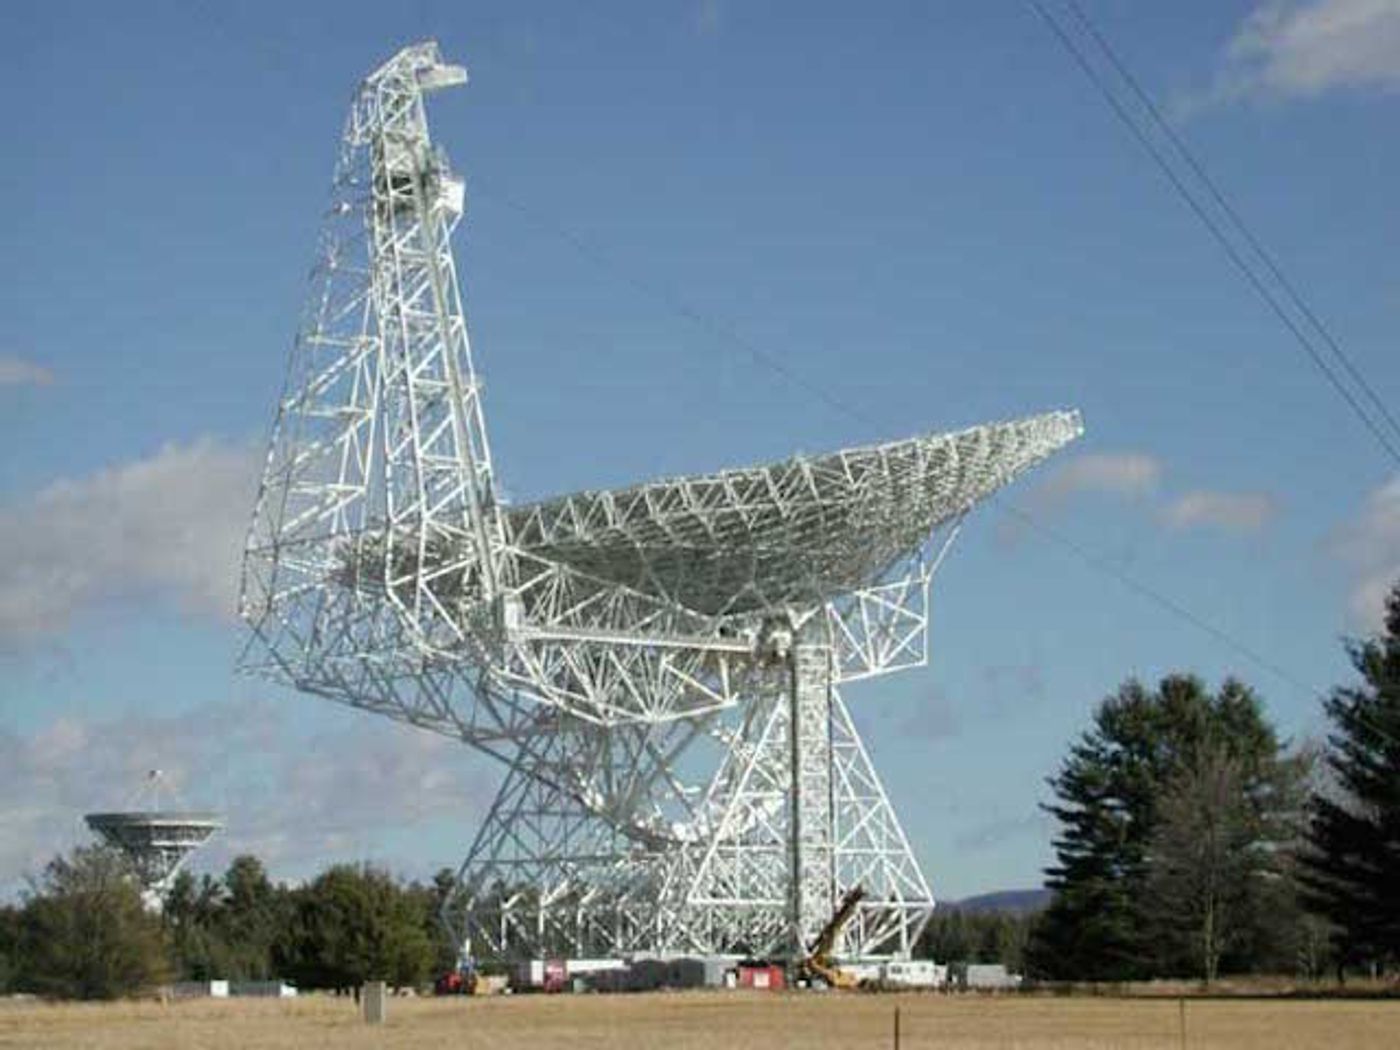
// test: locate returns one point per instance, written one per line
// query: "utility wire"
(1264, 256)
(675, 304)
(1389, 442)
(729, 334)
(1162, 601)
(1384, 437)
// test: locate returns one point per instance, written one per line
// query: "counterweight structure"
(660, 668)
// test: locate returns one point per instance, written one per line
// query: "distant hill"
(1015, 902)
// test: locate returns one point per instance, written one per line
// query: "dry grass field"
(713, 1021)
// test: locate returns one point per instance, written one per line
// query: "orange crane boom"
(819, 961)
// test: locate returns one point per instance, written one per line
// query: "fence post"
(896, 1026)
(374, 1001)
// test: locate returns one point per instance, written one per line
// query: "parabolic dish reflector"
(157, 841)
(799, 531)
(172, 826)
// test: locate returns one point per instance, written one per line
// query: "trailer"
(913, 973)
(540, 975)
(766, 976)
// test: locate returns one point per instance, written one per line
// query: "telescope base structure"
(792, 819)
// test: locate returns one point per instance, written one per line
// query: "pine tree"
(1109, 792)
(1352, 873)
(10, 919)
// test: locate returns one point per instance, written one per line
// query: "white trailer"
(913, 973)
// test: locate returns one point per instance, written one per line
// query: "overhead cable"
(730, 335)
(1243, 248)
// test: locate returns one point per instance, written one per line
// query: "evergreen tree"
(9, 948)
(1352, 872)
(252, 916)
(956, 936)
(1109, 792)
(354, 924)
(1013, 933)
(198, 932)
(84, 933)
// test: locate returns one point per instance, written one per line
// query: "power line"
(1107, 566)
(1233, 215)
(1253, 242)
(729, 334)
(675, 304)
(1390, 444)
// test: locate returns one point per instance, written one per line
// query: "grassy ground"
(712, 1020)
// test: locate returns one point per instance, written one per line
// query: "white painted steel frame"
(658, 666)
(157, 843)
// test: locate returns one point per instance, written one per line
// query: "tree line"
(956, 936)
(1193, 841)
(81, 931)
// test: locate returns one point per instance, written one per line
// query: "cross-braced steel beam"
(659, 667)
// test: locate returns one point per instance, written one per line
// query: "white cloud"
(1369, 546)
(375, 777)
(1133, 475)
(1301, 50)
(297, 800)
(172, 524)
(996, 831)
(1137, 477)
(1231, 511)
(1117, 473)
(17, 372)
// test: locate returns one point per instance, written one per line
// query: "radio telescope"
(156, 841)
(660, 668)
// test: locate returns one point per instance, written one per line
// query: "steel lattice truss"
(659, 666)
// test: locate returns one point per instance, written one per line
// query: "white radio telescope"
(155, 839)
(660, 668)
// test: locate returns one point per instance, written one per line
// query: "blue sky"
(924, 210)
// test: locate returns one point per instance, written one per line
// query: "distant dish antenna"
(157, 839)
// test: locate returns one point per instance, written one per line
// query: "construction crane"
(819, 961)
